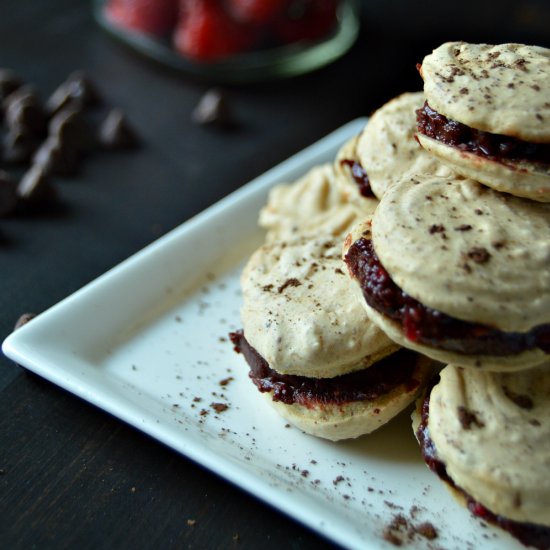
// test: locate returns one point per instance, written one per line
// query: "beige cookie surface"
(297, 313)
(492, 431)
(387, 148)
(520, 178)
(315, 203)
(467, 251)
(502, 89)
(356, 418)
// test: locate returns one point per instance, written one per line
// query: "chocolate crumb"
(467, 418)
(479, 255)
(463, 227)
(426, 530)
(226, 381)
(338, 480)
(396, 531)
(219, 407)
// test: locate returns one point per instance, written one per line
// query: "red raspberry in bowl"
(307, 20)
(155, 17)
(206, 32)
(256, 11)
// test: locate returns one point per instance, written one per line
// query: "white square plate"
(147, 342)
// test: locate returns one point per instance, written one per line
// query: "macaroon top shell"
(300, 313)
(467, 251)
(502, 89)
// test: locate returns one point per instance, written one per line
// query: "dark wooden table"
(71, 476)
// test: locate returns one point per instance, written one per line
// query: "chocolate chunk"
(17, 147)
(116, 133)
(72, 130)
(34, 187)
(212, 108)
(54, 158)
(23, 111)
(8, 83)
(77, 91)
(8, 195)
(23, 320)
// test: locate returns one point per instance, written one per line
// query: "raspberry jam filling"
(360, 177)
(365, 385)
(428, 326)
(495, 147)
(529, 534)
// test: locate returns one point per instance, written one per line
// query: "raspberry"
(206, 32)
(256, 11)
(307, 20)
(155, 17)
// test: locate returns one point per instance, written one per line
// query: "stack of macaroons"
(455, 264)
(311, 347)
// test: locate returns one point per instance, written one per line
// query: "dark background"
(71, 475)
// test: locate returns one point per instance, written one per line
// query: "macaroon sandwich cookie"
(387, 149)
(487, 114)
(316, 356)
(457, 271)
(487, 436)
(317, 202)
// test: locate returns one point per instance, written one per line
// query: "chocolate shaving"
(436, 229)
(521, 400)
(287, 283)
(468, 418)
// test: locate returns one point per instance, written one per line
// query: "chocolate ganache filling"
(360, 177)
(364, 385)
(495, 147)
(530, 534)
(430, 326)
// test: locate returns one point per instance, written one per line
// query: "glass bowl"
(254, 66)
